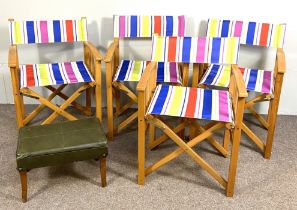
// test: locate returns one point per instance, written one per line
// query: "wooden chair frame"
(146, 87)
(92, 59)
(114, 89)
(269, 123)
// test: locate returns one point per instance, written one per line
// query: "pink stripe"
(266, 82)
(238, 29)
(70, 72)
(223, 106)
(172, 69)
(181, 25)
(43, 31)
(201, 50)
(122, 23)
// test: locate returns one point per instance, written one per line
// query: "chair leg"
(103, 171)
(226, 140)
(233, 161)
(109, 112)
(88, 101)
(272, 114)
(23, 176)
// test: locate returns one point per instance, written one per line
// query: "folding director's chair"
(221, 108)
(136, 27)
(26, 76)
(267, 83)
(51, 144)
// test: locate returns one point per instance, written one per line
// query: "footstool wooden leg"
(23, 175)
(103, 171)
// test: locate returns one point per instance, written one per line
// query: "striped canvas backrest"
(133, 26)
(195, 49)
(47, 31)
(250, 33)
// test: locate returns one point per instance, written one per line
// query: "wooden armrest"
(93, 50)
(110, 52)
(240, 85)
(12, 56)
(144, 80)
(281, 61)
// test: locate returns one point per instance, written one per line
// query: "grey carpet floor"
(181, 184)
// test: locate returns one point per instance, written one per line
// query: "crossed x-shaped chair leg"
(46, 102)
(206, 133)
(118, 86)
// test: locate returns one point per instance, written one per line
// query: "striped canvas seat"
(255, 79)
(130, 70)
(190, 102)
(33, 75)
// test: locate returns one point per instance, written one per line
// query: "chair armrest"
(240, 85)
(150, 72)
(281, 61)
(110, 52)
(94, 51)
(12, 56)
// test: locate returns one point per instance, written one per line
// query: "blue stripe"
(225, 28)
(215, 51)
(169, 25)
(57, 31)
(207, 103)
(212, 74)
(57, 73)
(30, 31)
(252, 80)
(123, 70)
(133, 26)
(186, 49)
(83, 71)
(160, 72)
(250, 33)
(160, 99)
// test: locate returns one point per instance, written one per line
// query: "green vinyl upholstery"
(59, 143)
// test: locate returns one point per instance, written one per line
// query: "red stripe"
(264, 34)
(171, 49)
(157, 25)
(242, 70)
(69, 31)
(30, 75)
(190, 111)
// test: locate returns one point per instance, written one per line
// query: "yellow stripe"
(17, 32)
(136, 71)
(213, 26)
(158, 51)
(277, 35)
(79, 28)
(230, 51)
(44, 77)
(226, 72)
(176, 101)
(145, 26)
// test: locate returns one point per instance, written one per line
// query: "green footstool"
(60, 143)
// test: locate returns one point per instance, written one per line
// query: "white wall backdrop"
(100, 26)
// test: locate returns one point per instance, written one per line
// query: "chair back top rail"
(47, 31)
(250, 33)
(195, 49)
(141, 26)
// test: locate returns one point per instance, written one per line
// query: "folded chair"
(117, 73)
(74, 140)
(266, 83)
(222, 109)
